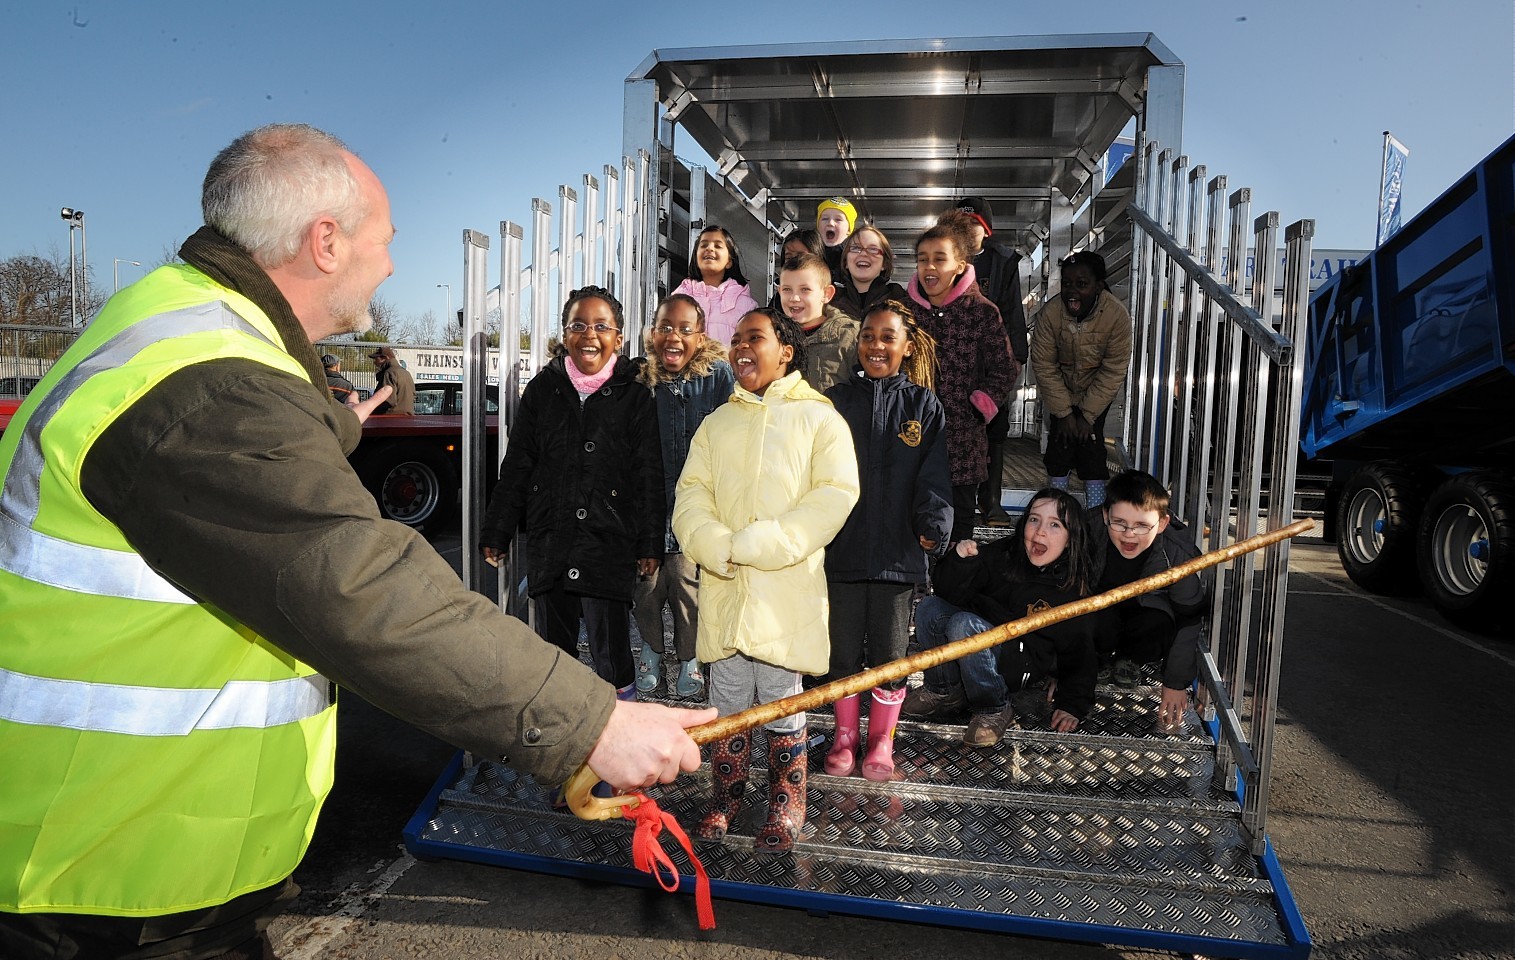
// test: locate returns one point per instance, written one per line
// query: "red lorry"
(412, 465)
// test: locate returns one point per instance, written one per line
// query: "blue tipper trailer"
(1410, 372)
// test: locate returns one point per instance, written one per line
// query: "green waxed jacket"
(228, 478)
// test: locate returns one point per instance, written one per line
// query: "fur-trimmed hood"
(706, 356)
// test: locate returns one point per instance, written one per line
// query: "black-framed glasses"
(1121, 526)
(579, 326)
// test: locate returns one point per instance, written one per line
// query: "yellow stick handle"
(596, 808)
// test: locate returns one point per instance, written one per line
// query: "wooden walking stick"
(589, 807)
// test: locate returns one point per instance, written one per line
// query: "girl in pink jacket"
(716, 283)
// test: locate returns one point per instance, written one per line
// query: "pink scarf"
(586, 383)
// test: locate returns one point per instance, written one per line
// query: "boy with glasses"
(1162, 625)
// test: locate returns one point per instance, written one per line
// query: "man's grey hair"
(266, 189)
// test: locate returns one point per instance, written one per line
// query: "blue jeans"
(938, 622)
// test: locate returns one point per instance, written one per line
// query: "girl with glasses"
(867, 265)
(583, 478)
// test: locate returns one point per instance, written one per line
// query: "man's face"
(1133, 530)
(367, 258)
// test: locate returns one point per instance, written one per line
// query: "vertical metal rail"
(475, 364)
(513, 569)
(1151, 345)
(1223, 481)
(1211, 321)
(1143, 294)
(1189, 406)
(1170, 363)
(594, 231)
(1141, 257)
(612, 231)
(640, 308)
(1256, 373)
(1288, 385)
(629, 237)
(568, 202)
(541, 288)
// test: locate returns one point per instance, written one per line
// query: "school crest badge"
(911, 433)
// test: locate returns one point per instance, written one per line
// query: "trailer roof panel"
(904, 127)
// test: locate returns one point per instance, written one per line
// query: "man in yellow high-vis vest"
(189, 568)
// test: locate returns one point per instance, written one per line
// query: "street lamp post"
(116, 271)
(75, 219)
(447, 317)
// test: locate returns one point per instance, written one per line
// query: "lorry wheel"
(1467, 548)
(413, 484)
(1375, 527)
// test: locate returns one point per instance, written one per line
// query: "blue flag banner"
(1394, 155)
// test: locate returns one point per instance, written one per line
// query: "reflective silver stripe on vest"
(159, 711)
(74, 566)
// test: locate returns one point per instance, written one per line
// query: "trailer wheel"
(1467, 548)
(1375, 527)
(413, 484)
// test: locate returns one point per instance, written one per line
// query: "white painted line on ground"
(1430, 625)
(309, 942)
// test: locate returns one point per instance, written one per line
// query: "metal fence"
(27, 352)
(1214, 411)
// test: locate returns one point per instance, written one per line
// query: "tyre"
(1467, 549)
(1375, 527)
(414, 484)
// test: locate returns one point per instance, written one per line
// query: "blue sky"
(467, 110)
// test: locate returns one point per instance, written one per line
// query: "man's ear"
(325, 240)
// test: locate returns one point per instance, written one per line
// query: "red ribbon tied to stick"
(648, 855)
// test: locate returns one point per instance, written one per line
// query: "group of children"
(712, 480)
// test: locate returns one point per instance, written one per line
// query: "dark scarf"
(229, 265)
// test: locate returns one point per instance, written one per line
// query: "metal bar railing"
(1210, 373)
(1298, 240)
(514, 569)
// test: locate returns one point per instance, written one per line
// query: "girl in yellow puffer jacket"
(770, 478)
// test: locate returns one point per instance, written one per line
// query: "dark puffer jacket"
(684, 400)
(584, 483)
(900, 434)
(1064, 650)
(972, 354)
(1184, 601)
(856, 303)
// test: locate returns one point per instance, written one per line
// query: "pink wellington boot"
(842, 759)
(882, 715)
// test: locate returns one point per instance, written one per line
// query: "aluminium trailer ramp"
(1113, 834)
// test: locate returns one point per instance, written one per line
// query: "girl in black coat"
(583, 477)
(1045, 563)
(867, 265)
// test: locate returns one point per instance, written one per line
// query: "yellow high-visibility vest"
(155, 756)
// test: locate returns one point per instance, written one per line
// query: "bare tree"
(386, 322)
(417, 329)
(35, 290)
